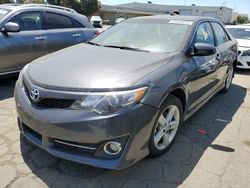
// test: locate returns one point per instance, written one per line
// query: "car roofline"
(14, 6)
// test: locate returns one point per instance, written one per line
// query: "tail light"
(97, 33)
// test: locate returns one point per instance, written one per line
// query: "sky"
(241, 6)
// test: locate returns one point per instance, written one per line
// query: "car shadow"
(169, 170)
(7, 86)
(243, 71)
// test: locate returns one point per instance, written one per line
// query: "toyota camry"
(125, 94)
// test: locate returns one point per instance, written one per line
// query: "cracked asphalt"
(220, 158)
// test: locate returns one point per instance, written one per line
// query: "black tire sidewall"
(170, 100)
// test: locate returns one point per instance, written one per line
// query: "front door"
(203, 79)
(18, 49)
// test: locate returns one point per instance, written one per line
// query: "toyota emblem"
(34, 95)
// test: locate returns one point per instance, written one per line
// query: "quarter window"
(28, 21)
(220, 35)
(204, 34)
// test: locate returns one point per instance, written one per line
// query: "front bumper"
(132, 127)
(243, 61)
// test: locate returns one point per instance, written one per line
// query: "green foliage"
(33, 1)
(86, 7)
(6, 1)
(242, 19)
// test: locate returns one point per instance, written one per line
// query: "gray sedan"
(125, 94)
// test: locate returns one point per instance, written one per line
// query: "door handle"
(76, 35)
(40, 38)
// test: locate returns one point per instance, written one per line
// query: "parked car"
(242, 34)
(124, 95)
(120, 19)
(96, 21)
(31, 31)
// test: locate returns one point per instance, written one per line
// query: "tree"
(33, 1)
(6, 1)
(242, 19)
(86, 7)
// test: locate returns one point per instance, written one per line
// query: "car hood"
(87, 67)
(243, 43)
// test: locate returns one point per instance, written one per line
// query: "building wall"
(223, 14)
(112, 16)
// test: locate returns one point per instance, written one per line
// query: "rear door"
(20, 48)
(225, 51)
(62, 31)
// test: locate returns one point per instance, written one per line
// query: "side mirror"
(203, 49)
(10, 27)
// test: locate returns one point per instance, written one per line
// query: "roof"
(24, 6)
(176, 17)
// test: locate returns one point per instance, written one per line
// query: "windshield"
(145, 35)
(3, 13)
(240, 33)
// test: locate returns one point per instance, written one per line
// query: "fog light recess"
(112, 148)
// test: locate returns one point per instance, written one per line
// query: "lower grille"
(48, 103)
(239, 63)
(74, 147)
(32, 135)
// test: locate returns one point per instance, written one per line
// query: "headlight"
(246, 53)
(108, 102)
(20, 78)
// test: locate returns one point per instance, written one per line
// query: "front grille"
(54, 103)
(47, 103)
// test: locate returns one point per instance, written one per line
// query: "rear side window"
(220, 34)
(77, 24)
(28, 21)
(58, 21)
(204, 34)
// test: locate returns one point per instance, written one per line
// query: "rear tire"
(167, 126)
(228, 81)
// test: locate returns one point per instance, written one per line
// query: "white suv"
(96, 21)
(242, 34)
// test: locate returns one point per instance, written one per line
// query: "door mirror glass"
(203, 49)
(11, 27)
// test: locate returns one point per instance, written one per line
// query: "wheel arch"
(178, 92)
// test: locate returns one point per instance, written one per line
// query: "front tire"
(167, 126)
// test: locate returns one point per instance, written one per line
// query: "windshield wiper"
(93, 43)
(126, 48)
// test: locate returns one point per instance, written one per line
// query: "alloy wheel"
(167, 127)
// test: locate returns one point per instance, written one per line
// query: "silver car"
(31, 31)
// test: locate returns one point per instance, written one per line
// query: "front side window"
(149, 35)
(204, 34)
(220, 35)
(58, 21)
(28, 21)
